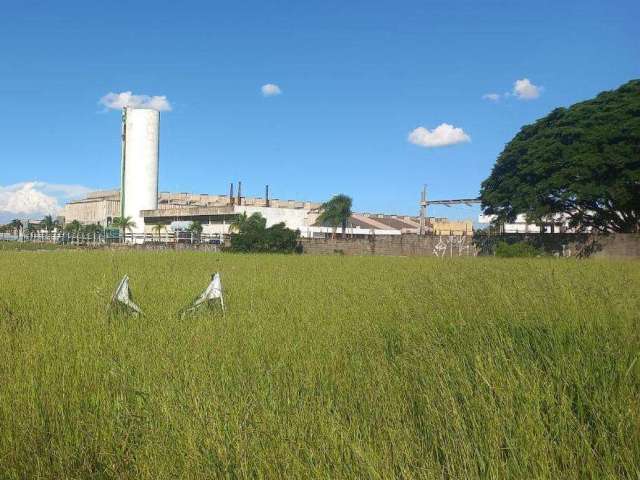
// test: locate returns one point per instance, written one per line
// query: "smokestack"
(140, 164)
(266, 195)
(239, 193)
(122, 159)
(231, 194)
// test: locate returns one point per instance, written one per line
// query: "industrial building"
(558, 223)
(139, 199)
(217, 212)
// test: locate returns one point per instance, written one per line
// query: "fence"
(96, 239)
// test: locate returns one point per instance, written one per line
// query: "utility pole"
(423, 211)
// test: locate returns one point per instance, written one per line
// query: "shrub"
(519, 249)
(254, 236)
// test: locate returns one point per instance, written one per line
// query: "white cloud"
(525, 90)
(117, 101)
(494, 97)
(270, 90)
(36, 199)
(441, 136)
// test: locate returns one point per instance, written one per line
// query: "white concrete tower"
(140, 163)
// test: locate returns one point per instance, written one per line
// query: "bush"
(254, 236)
(519, 249)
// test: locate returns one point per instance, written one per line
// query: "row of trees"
(16, 226)
(51, 225)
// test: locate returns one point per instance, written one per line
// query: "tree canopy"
(73, 227)
(336, 212)
(254, 236)
(195, 228)
(49, 223)
(123, 223)
(582, 161)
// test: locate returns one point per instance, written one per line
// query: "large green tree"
(336, 212)
(582, 161)
(253, 235)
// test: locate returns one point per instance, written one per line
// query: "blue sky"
(356, 78)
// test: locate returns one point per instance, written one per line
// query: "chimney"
(231, 194)
(266, 195)
(239, 193)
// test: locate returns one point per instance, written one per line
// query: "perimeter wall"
(567, 245)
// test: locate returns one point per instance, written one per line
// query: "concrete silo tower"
(140, 151)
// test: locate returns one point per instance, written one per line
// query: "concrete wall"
(569, 244)
(91, 211)
(622, 245)
(403, 245)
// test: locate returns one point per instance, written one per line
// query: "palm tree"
(124, 224)
(49, 224)
(158, 229)
(239, 222)
(16, 225)
(336, 212)
(30, 228)
(195, 229)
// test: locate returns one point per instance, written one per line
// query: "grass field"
(323, 367)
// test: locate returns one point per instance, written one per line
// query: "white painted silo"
(140, 166)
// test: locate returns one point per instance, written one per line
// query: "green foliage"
(92, 229)
(74, 227)
(239, 222)
(323, 367)
(195, 228)
(49, 224)
(336, 212)
(518, 249)
(254, 236)
(158, 229)
(15, 225)
(583, 161)
(123, 223)
(31, 228)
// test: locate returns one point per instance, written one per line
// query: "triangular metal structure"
(122, 298)
(210, 295)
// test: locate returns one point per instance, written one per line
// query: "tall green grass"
(323, 367)
(31, 246)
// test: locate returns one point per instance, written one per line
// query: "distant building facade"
(217, 212)
(556, 224)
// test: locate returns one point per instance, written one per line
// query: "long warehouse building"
(217, 212)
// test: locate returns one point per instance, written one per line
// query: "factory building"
(558, 223)
(139, 199)
(217, 212)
